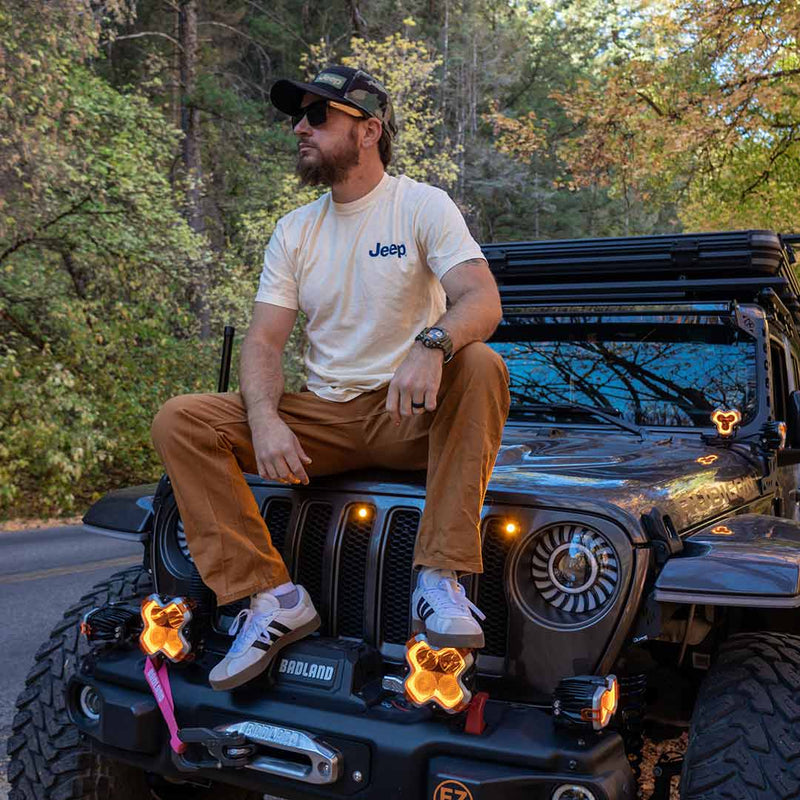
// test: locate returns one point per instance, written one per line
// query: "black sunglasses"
(317, 113)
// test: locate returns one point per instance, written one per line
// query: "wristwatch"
(437, 338)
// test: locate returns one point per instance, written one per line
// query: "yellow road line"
(21, 577)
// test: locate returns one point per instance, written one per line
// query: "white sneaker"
(262, 632)
(440, 609)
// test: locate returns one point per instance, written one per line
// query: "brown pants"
(204, 441)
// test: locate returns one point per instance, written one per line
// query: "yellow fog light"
(604, 704)
(586, 700)
(436, 675)
(165, 627)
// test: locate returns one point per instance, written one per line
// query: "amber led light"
(511, 528)
(165, 627)
(435, 675)
(726, 421)
(722, 530)
(604, 704)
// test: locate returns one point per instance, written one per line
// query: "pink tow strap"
(158, 681)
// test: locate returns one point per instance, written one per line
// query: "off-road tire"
(48, 761)
(744, 742)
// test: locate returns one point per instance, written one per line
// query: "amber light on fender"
(604, 704)
(726, 421)
(165, 627)
(436, 675)
(511, 528)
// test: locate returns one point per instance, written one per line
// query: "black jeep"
(642, 566)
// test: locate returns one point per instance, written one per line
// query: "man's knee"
(171, 416)
(479, 357)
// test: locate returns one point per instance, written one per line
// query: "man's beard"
(331, 168)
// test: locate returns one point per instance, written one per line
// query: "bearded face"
(328, 164)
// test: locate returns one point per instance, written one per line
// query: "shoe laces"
(248, 626)
(449, 596)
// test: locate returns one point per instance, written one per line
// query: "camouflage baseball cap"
(354, 87)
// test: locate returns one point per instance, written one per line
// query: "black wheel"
(47, 758)
(744, 742)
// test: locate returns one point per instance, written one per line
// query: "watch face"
(436, 333)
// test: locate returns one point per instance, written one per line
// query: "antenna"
(225, 362)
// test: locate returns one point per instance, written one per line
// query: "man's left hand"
(417, 380)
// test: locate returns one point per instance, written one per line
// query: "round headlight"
(574, 568)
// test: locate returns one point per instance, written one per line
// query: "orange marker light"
(363, 512)
(726, 421)
(165, 627)
(707, 460)
(435, 675)
(722, 530)
(604, 704)
(511, 528)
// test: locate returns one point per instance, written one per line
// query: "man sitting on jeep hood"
(393, 380)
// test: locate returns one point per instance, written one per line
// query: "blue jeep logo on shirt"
(388, 250)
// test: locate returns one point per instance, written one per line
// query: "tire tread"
(744, 742)
(46, 756)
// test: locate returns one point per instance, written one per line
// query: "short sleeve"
(443, 234)
(278, 283)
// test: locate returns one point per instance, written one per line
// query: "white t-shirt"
(367, 275)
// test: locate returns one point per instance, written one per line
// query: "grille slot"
(352, 576)
(396, 585)
(311, 552)
(491, 588)
(277, 514)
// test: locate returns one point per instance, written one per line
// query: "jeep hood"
(681, 475)
(684, 478)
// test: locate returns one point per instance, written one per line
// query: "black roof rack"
(733, 265)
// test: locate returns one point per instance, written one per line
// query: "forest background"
(142, 170)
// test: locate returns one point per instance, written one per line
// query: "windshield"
(649, 374)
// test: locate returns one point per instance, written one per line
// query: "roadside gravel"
(37, 522)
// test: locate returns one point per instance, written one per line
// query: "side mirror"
(793, 420)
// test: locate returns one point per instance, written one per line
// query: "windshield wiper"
(611, 416)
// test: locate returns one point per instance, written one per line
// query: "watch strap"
(445, 345)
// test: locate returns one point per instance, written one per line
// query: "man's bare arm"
(474, 315)
(261, 379)
(279, 454)
(475, 312)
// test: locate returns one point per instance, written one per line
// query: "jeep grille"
(359, 572)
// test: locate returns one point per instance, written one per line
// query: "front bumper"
(384, 751)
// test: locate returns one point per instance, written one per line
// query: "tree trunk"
(193, 167)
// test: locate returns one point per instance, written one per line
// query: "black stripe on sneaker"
(424, 609)
(262, 645)
(279, 626)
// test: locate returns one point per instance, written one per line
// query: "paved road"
(42, 572)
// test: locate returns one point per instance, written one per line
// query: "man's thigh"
(403, 446)
(328, 432)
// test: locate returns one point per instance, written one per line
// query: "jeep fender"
(124, 513)
(752, 560)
